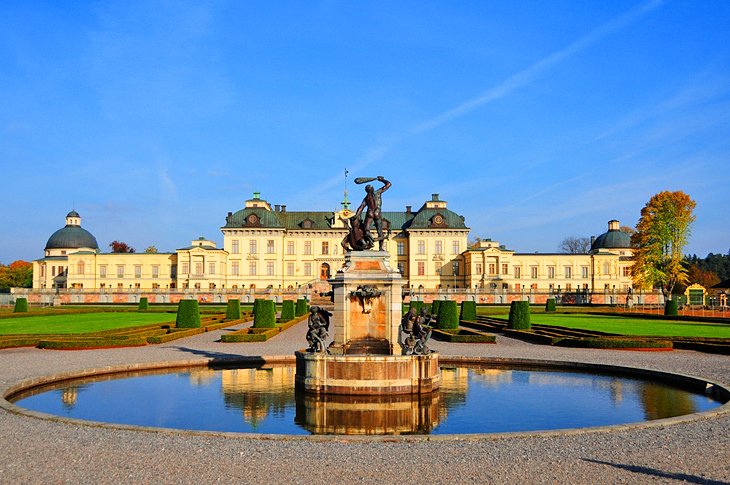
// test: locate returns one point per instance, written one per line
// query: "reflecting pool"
(262, 400)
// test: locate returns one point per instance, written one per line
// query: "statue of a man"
(318, 324)
(374, 203)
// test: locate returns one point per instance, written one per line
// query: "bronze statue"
(357, 239)
(318, 324)
(413, 334)
(374, 203)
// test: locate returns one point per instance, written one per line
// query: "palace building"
(271, 248)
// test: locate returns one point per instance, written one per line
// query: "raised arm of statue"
(384, 187)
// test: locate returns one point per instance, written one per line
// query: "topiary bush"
(143, 304)
(550, 305)
(233, 309)
(264, 314)
(519, 315)
(21, 305)
(671, 308)
(448, 315)
(416, 306)
(188, 314)
(435, 307)
(287, 311)
(468, 311)
(301, 307)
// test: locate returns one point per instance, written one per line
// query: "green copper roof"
(72, 237)
(613, 239)
(425, 219)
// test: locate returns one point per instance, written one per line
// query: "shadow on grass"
(658, 473)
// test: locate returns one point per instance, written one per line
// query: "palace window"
(438, 247)
(253, 246)
(455, 247)
(307, 269)
(421, 268)
(198, 269)
(533, 272)
(155, 270)
(290, 247)
(606, 268)
(505, 268)
(568, 287)
(478, 268)
(325, 247)
(269, 268)
(568, 271)
(252, 268)
(551, 272)
(402, 268)
(626, 271)
(234, 268)
(518, 272)
(584, 271)
(173, 271)
(455, 268)
(211, 268)
(421, 246)
(270, 246)
(307, 247)
(137, 270)
(120, 271)
(518, 287)
(185, 268)
(290, 269)
(492, 268)
(80, 267)
(102, 271)
(235, 249)
(401, 248)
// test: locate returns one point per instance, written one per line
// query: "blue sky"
(535, 120)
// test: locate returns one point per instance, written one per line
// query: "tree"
(627, 229)
(575, 245)
(121, 247)
(18, 274)
(150, 250)
(661, 234)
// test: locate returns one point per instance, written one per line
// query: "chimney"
(276, 207)
(283, 209)
(434, 197)
(593, 239)
(408, 209)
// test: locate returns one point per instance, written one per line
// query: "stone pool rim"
(691, 383)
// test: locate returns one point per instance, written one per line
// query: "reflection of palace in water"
(258, 392)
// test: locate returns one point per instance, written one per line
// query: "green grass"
(632, 326)
(79, 323)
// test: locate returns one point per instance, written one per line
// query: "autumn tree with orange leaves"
(661, 234)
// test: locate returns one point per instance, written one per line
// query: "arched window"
(606, 268)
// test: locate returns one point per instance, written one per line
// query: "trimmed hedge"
(519, 315)
(468, 310)
(416, 306)
(287, 311)
(464, 336)
(233, 310)
(302, 308)
(616, 343)
(161, 339)
(21, 305)
(250, 335)
(448, 315)
(188, 314)
(144, 304)
(91, 343)
(435, 305)
(264, 314)
(550, 305)
(671, 308)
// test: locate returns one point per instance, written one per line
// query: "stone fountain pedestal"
(362, 358)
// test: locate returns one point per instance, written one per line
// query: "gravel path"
(41, 451)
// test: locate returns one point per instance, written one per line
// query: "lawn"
(632, 326)
(80, 322)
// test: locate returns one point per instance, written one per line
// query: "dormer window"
(307, 223)
(438, 221)
(253, 220)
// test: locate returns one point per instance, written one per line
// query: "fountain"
(364, 357)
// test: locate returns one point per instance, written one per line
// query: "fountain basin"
(367, 375)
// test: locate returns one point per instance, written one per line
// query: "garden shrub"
(416, 306)
(143, 304)
(435, 307)
(233, 309)
(448, 315)
(188, 314)
(468, 310)
(21, 305)
(464, 336)
(301, 307)
(287, 311)
(519, 315)
(671, 308)
(264, 314)
(550, 305)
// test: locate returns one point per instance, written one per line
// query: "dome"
(614, 238)
(72, 237)
(73, 213)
